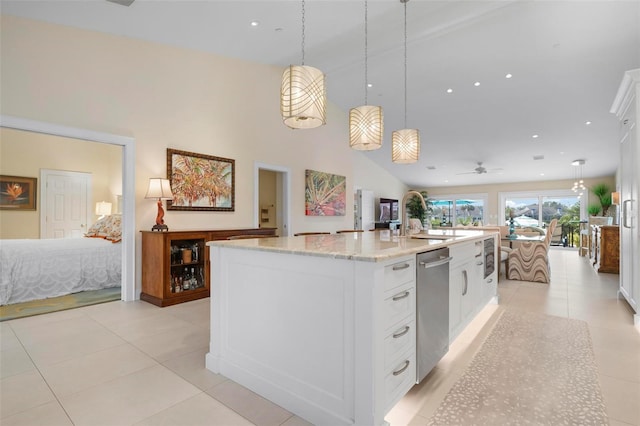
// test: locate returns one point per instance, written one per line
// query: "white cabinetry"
(464, 285)
(333, 340)
(400, 330)
(469, 291)
(627, 109)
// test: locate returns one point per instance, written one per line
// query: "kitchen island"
(325, 325)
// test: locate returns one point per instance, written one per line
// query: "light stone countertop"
(368, 246)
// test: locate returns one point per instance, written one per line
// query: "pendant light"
(405, 143)
(578, 184)
(303, 94)
(366, 125)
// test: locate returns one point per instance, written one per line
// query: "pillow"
(109, 228)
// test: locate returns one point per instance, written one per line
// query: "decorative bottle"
(186, 280)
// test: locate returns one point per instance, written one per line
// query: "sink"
(432, 237)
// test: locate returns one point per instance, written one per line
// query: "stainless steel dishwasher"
(432, 309)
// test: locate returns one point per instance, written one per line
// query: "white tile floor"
(135, 364)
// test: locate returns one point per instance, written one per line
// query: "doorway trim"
(128, 184)
(285, 190)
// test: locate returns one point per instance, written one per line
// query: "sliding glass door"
(537, 209)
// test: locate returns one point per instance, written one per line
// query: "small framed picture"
(17, 193)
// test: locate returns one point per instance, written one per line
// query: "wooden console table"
(605, 248)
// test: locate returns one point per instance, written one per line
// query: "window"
(453, 210)
(540, 207)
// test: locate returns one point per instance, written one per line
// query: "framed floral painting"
(325, 194)
(17, 193)
(200, 182)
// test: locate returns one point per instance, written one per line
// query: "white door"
(65, 203)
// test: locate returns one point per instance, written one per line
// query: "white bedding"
(39, 269)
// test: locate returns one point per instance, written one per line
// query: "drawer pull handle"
(400, 296)
(466, 282)
(404, 367)
(479, 255)
(400, 267)
(490, 280)
(401, 333)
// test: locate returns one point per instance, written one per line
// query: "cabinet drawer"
(400, 339)
(464, 252)
(400, 379)
(399, 304)
(399, 273)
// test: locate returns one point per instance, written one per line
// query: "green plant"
(465, 221)
(593, 209)
(415, 209)
(603, 192)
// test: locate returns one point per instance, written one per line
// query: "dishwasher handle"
(443, 260)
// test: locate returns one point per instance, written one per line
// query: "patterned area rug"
(61, 303)
(533, 369)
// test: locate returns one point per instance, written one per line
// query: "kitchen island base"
(331, 338)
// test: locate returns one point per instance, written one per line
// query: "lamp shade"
(366, 127)
(303, 97)
(405, 146)
(615, 198)
(103, 208)
(159, 189)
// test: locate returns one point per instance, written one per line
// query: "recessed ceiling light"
(254, 23)
(446, 180)
(541, 174)
(508, 76)
(449, 90)
(477, 83)
(587, 123)
(561, 152)
(535, 136)
(369, 85)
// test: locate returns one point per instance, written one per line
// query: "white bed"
(39, 269)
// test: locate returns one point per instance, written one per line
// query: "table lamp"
(161, 189)
(103, 209)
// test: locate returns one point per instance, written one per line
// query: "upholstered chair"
(530, 261)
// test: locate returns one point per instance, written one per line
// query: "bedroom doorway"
(128, 184)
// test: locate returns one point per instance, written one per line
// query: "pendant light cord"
(302, 32)
(366, 36)
(405, 62)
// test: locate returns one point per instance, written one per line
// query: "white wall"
(167, 97)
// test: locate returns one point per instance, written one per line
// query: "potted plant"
(415, 209)
(593, 210)
(603, 192)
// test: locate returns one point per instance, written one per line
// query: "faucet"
(402, 207)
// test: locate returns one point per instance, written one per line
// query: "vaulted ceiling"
(565, 58)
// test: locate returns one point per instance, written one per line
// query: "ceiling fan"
(122, 2)
(480, 170)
